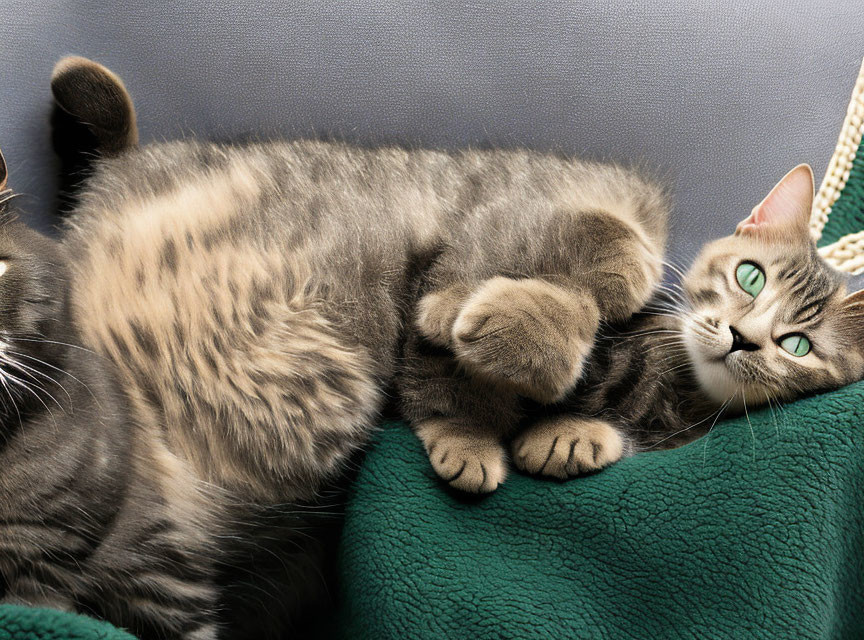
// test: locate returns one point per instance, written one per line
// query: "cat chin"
(715, 380)
(721, 386)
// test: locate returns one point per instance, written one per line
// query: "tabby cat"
(216, 331)
(553, 315)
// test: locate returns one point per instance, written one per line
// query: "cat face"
(31, 281)
(770, 319)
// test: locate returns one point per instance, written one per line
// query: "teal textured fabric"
(754, 531)
(847, 214)
(23, 623)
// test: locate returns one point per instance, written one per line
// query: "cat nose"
(739, 342)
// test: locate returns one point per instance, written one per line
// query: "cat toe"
(567, 446)
(473, 469)
(436, 313)
(464, 460)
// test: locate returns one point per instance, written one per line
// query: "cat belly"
(221, 340)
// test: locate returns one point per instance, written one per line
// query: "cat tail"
(93, 117)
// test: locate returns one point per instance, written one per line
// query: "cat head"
(32, 284)
(770, 319)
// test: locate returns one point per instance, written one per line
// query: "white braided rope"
(845, 254)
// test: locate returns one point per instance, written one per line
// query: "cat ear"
(854, 303)
(785, 212)
(853, 314)
(3, 172)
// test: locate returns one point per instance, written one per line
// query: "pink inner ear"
(752, 222)
(3, 172)
(786, 208)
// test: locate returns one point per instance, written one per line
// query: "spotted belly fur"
(220, 337)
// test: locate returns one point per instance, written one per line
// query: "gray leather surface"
(722, 97)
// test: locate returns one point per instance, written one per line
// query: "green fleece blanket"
(755, 531)
(22, 623)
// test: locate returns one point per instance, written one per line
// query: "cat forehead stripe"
(812, 308)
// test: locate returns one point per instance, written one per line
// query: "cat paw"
(527, 334)
(471, 462)
(567, 446)
(437, 311)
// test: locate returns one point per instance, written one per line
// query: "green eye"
(750, 278)
(796, 344)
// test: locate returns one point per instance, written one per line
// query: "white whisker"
(30, 372)
(695, 424)
(750, 424)
(65, 344)
(47, 364)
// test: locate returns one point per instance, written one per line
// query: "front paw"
(566, 446)
(437, 311)
(466, 460)
(527, 334)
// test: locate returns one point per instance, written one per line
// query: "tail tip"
(93, 94)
